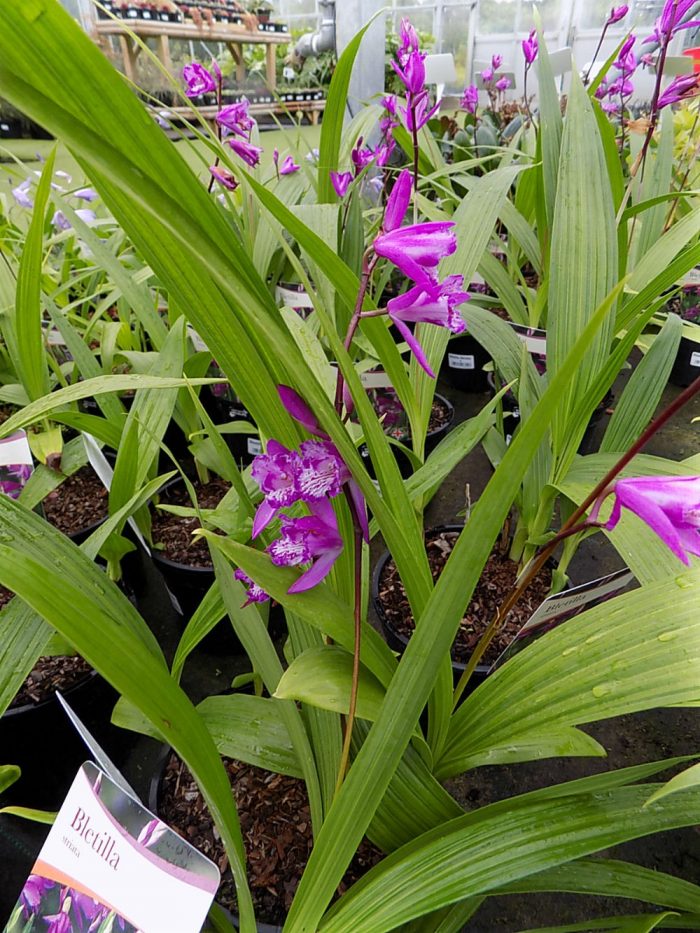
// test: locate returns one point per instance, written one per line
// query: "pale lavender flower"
(198, 80)
(59, 221)
(530, 47)
(21, 196)
(437, 305)
(312, 538)
(313, 156)
(503, 83)
(418, 249)
(669, 505)
(224, 177)
(610, 106)
(86, 194)
(247, 151)
(683, 87)
(470, 98)
(255, 593)
(617, 14)
(341, 181)
(86, 215)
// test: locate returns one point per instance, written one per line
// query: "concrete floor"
(629, 739)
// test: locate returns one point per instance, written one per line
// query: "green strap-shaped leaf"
(687, 778)
(28, 334)
(469, 855)
(550, 130)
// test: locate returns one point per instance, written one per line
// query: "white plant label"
(460, 361)
(16, 464)
(109, 863)
(254, 446)
(695, 359)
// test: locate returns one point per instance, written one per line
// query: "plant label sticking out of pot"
(460, 361)
(692, 277)
(16, 464)
(695, 359)
(109, 862)
(564, 606)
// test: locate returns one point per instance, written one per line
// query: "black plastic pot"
(432, 439)
(222, 409)
(463, 364)
(686, 368)
(43, 742)
(397, 641)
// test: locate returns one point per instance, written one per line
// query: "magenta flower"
(487, 75)
(247, 151)
(496, 62)
(419, 112)
(621, 87)
(530, 47)
(437, 305)
(669, 505)
(626, 60)
(361, 158)
(322, 471)
(312, 538)
(398, 202)
(236, 118)
(276, 474)
(418, 249)
(503, 83)
(198, 80)
(255, 593)
(616, 14)
(610, 106)
(671, 21)
(409, 41)
(412, 72)
(470, 99)
(341, 181)
(390, 104)
(288, 166)
(224, 177)
(382, 153)
(13, 479)
(683, 87)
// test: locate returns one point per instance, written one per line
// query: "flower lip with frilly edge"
(312, 538)
(669, 505)
(276, 473)
(198, 80)
(255, 593)
(236, 118)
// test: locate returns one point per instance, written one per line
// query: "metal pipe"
(312, 44)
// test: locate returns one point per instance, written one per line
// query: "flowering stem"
(571, 526)
(219, 130)
(527, 102)
(367, 269)
(587, 76)
(350, 720)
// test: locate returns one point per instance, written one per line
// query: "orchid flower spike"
(684, 87)
(530, 47)
(470, 99)
(669, 505)
(417, 250)
(617, 14)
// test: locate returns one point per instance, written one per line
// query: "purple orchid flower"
(671, 21)
(530, 47)
(32, 893)
(610, 106)
(276, 473)
(300, 411)
(621, 87)
(419, 112)
(683, 87)
(486, 75)
(86, 215)
(86, 194)
(15, 479)
(255, 593)
(617, 14)
(341, 181)
(669, 505)
(496, 62)
(390, 104)
(247, 151)
(361, 157)
(383, 153)
(470, 98)
(408, 40)
(21, 196)
(437, 306)
(398, 202)
(503, 83)
(626, 60)
(418, 249)
(236, 118)
(198, 80)
(322, 471)
(224, 177)
(288, 166)
(412, 72)
(312, 538)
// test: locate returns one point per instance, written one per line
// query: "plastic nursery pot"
(432, 439)
(43, 742)
(225, 408)
(686, 368)
(397, 641)
(463, 364)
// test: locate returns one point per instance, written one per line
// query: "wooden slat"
(217, 32)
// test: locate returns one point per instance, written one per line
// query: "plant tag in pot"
(109, 863)
(16, 464)
(692, 277)
(564, 606)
